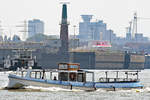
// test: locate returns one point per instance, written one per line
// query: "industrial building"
(96, 30)
(35, 26)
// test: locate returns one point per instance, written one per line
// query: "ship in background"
(20, 58)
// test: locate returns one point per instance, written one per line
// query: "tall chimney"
(64, 30)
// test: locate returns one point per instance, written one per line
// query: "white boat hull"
(18, 82)
(15, 83)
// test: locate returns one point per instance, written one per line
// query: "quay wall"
(109, 61)
(87, 60)
(119, 61)
(136, 62)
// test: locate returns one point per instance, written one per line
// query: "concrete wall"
(86, 59)
(147, 62)
(137, 58)
(109, 65)
(109, 61)
(119, 61)
(48, 61)
(136, 61)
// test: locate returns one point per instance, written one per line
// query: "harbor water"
(53, 93)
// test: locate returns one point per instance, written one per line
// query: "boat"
(20, 58)
(70, 76)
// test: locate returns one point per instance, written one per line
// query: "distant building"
(128, 36)
(134, 37)
(35, 26)
(128, 33)
(139, 38)
(5, 38)
(56, 43)
(97, 30)
(109, 36)
(1, 38)
(91, 30)
(16, 38)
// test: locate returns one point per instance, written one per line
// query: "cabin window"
(47, 75)
(72, 76)
(38, 75)
(23, 74)
(81, 77)
(32, 75)
(54, 74)
(63, 76)
(89, 77)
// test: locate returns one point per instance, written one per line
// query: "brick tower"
(64, 31)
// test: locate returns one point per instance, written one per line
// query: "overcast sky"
(116, 13)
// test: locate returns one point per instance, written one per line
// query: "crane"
(133, 24)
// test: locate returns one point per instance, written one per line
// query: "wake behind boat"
(70, 76)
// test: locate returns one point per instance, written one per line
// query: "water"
(40, 93)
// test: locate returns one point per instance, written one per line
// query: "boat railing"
(103, 79)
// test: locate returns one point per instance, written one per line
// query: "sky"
(116, 13)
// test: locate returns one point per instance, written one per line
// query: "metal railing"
(103, 79)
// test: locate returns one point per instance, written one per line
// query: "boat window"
(74, 66)
(72, 76)
(54, 74)
(63, 76)
(32, 74)
(80, 77)
(23, 74)
(89, 77)
(38, 75)
(47, 75)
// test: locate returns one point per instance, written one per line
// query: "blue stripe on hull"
(119, 85)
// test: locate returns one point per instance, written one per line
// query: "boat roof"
(56, 70)
(122, 71)
(82, 71)
(118, 70)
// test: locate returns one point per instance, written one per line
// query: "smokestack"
(64, 30)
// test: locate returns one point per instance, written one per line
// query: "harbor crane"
(134, 26)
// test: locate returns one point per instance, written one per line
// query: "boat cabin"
(72, 72)
(65, 72)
